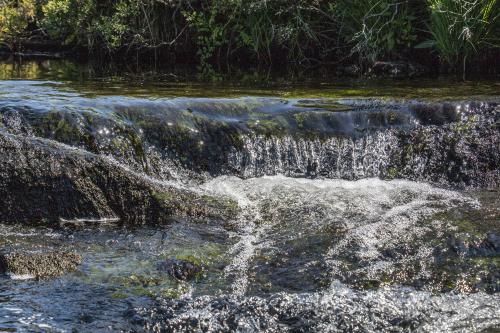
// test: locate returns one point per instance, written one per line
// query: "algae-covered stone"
(181, 269)
(445, 143)
(38, 265)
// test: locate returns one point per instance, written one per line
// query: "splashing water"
(366, 229)
(367, 217)
(319, 255)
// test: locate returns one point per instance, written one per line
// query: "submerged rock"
(42, 180)
(489, 245)
(181, 269)
(38, 265)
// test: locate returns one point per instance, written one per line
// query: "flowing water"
(329, 236)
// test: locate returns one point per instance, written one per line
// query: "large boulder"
(42, 180)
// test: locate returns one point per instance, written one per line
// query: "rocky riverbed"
(253, 213)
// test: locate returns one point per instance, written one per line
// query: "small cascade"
(194, 139)
(338, 157)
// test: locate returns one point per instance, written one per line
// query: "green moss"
(119, 295)
(163, 197)
(332, 107)
(55, 125)
(462, 127)
(267, 127)
(189, 258)
(175, 292)
(204, 255)
(141, 280)
(392, 173)
(225, 202)
(299, 119)
(466, 226)
(408, 151)
(486, 262)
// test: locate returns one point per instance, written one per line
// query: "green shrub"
(68, 20)
(111, 31)
(460, 28)
(212, 28)
(220, 32)
(296, 29)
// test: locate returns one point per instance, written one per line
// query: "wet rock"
(398, 69)
(39, 265)
(181, 269)
(492, 243)
(312, 169)
(489, 245)
(45, 181)
(442, 143)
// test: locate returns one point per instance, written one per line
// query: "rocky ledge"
(445, 143)
(110, 162)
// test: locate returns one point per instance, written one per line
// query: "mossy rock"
(43, 180)
(39, 265)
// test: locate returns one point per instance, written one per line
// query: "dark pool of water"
(85, 79)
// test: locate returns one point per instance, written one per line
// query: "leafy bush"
(377, 28)
(219, 32)
(111, 30)
(296, 30)
(212, 28)
(14, 19)
(68, 20)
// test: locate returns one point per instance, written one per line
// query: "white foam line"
(90, 220)
(20, 276)
(244, 249)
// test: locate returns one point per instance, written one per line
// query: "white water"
(340, 157)
(369, 217)
(374, 216)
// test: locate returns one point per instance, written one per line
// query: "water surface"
(303, 254)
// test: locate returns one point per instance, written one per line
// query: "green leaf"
(426, 44)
